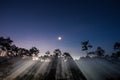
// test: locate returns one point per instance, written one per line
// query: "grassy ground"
(59, 69)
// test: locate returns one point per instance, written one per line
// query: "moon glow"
(59, 38)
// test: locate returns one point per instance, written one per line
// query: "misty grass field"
(60, 69)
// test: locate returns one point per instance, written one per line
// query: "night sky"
(39, 23)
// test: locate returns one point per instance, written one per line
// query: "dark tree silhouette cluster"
(8, 49)
(100, 52)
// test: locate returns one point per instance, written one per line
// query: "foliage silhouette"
(86, 46)
(100, 52)
(34, 51)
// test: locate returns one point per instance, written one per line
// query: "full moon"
(59, 38)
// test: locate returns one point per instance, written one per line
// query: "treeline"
(7, 48)
(56, 53)
(100, 52)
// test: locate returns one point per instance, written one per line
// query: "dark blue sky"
(39, 23)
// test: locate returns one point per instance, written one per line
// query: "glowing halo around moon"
(59, 38)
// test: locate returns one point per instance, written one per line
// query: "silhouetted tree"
(47, 53)
(22, 51)
(5, 44)
(117, 46)
(117, 49)
(57, 52)
(15, 50)
(67, 55)
(100, 52)
(115, 55)
(86, 46)
(34, 51)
